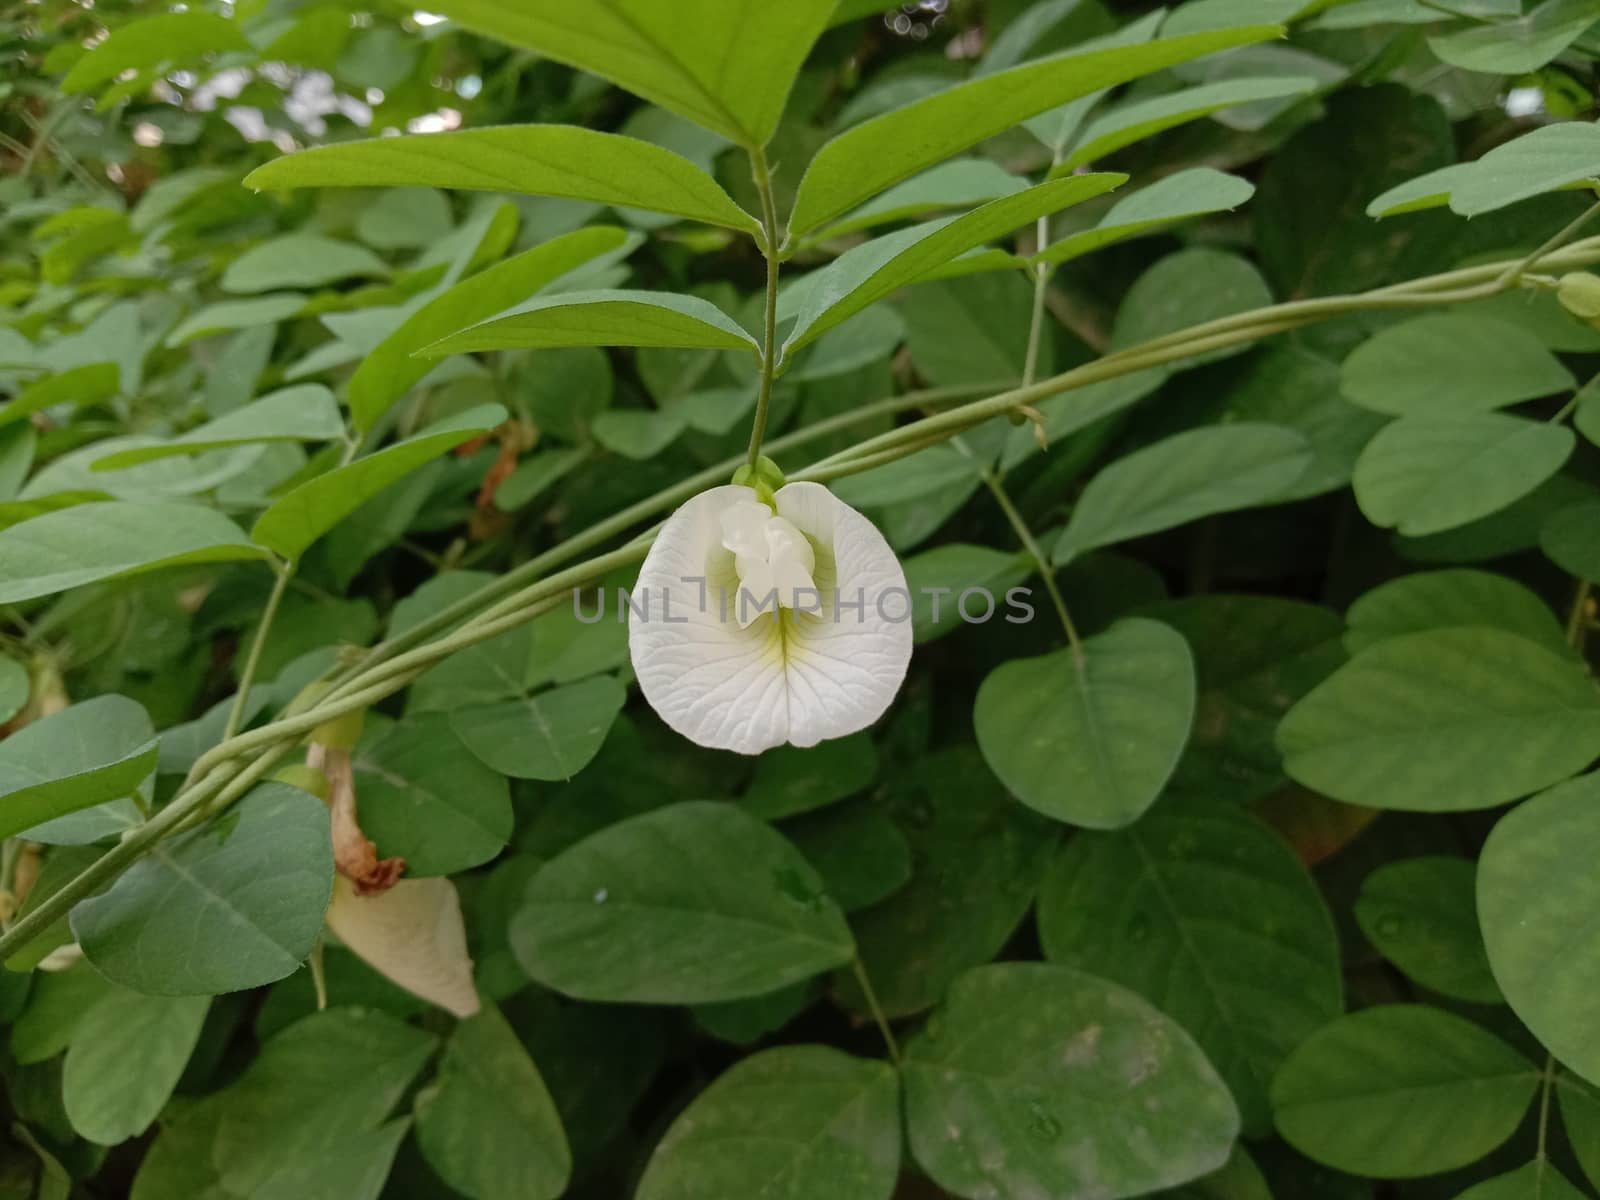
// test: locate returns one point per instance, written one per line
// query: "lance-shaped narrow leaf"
(1146, 118)
(871, 156)
(112, 539)
(726, 65)
(298, 518)
(391, 368)
(300, 260)
(153, 42)
(871, 271)
(77, 385)
(1545, 160)
(304, 413)
(88, 754)
(603, 318)
(959, 183)
(538, 160)
(1520, 46)
(1196, 192)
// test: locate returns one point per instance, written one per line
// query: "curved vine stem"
(229, 770)
(769, 341)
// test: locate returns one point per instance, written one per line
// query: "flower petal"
(412, 934)
(804, 677)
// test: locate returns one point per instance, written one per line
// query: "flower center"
(770, 555)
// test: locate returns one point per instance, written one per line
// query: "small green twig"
(241, 698)
(871, 996)
(769, 342)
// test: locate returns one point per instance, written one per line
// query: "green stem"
(1545, 1088)
(1041, 284)
(1514, 272)
(241, 698)
(1577, 622)
(876, 1009)
(769, 343)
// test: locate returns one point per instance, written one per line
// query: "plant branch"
(769, 342)
(247, 677)
(876, 1009)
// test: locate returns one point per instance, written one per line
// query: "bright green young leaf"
(226, 315)
(1543, 160)
(1425, 191)
(1134, 122)
(1181, 479)
(550, 735)
(486, 1124)
(1039, 1080)
(388, 370)
(300, 260)
(806, 1122)
(126, 1056)
(1570, 538)
(1448, 598)
(1206, 913)
(602, 318)
(234, 904)
(425, 798)
(77, 386)
(306, 412)
(789, 781)
(294, 1101)
(727, 65)
(1520, 46)
(871, 271)
(1537, 1180)
(295, 520)
(875, 154)
(1401, 1090)
(1450, 365)
(1424, 474)
(540, 160)
(1198, 15)
(1443, 721)
(959, 183)
(166, 39)
(690, 904)
(1535, 875)
(1195, 192)
(88, 543)
(91, 753)
(1090, 741)
(1422, 916)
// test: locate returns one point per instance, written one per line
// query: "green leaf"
(860, 853)
(54, 1183)
(1186, 288)
(1537, 1180)
(637, 433)
(871, 271)
(143, 45)
(1195, 192)
(1424, 474)
(1442, 721)
(295, 1100)
(1443, 599)
(57, 1004)
(550, 735)
(354, 1168)
(126, 1056)
(977, 857)
(1544, 160)
(300, 260)
(806, 1122)
(689, 904)
(389, 369)
(960, 183)
(1422, 916)
(61, 865)
(15, 687)
(1181, 479)
(1039, 1080)
(1587, 416)
(938, 469)
(1448, 365)
(727, 65)
(1090, 741)
(304, 413)
(1580, 1113)
(1134, 122)
(88, 543)
(539, 160)
(789, 781)
(938, 577)
(1570, 538)
(232, 905)
(1425, 191)
(1401, 1090)
(295, 520)
(1535, 875)
(871, 156)
(1206, 913)
(77, 386)
(227, 315)
(18, 444)
(94, 752)
(425, 798)
(602, 318)
(1520, 46)
(487, 1124)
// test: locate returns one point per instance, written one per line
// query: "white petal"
(413, 935)
(844, 668)
(804, 678)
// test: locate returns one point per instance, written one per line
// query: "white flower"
(754, 625)
(411, 933)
